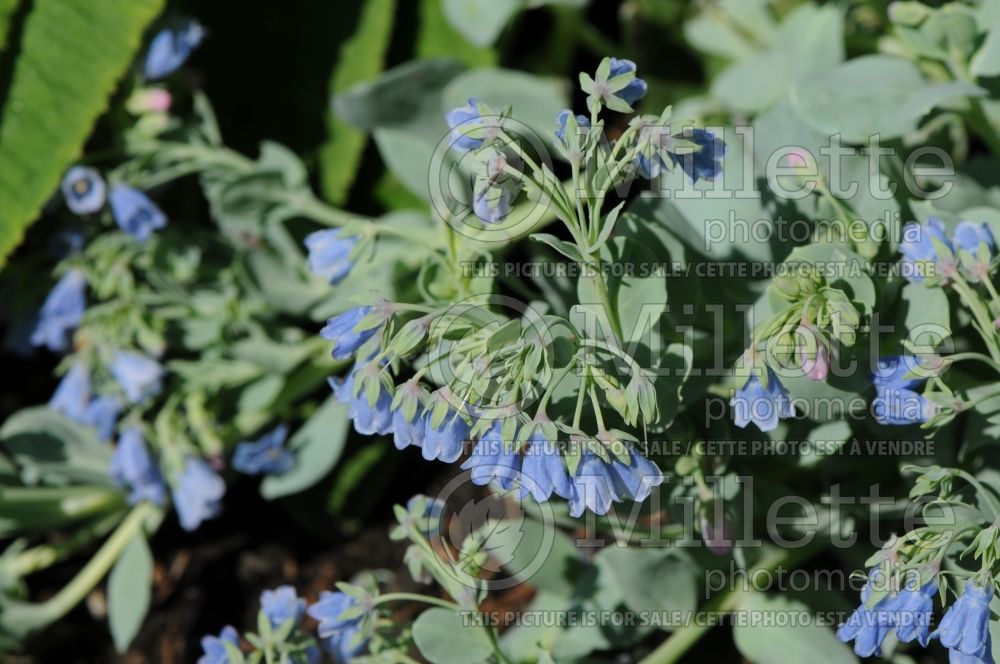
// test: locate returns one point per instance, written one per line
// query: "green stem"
(602, 292)
(45, 555)
(414, 597)
(981, 490)
(978, 309)
(29, 617)
(976, 357)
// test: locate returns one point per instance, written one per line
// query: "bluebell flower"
(706, 162)
(900, 371)
(913, 610)
(267, 455)
(61, 312)
(901, 406)
(637, 478)
(964, 630)
(594, 487)
(281, 605)
(493, 459)
(133, 468)
(763, 406)
(341, 331)
(171, 48)
(330, 253)
(635, 90)
(543, 471)
(918, 248)
(465, 122)
(102, 414)
(493, 204)
(563, 118)
(968, 235)
(214, 647)
(406, 432)
(197, 494)
(139, 376)
(445, 442)
(337, 633)
(868, 627)
(135, 213)
(84, 190)
(368, 419)
(72, 395)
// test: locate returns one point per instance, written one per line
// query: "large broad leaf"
(779, 641)
(873, 94)
(653, 579)
(445, 637)
(437, 38)
(55, 450)
(129, 591)
(362, 57)
(317, 446)
(71, 55)
(7, 8)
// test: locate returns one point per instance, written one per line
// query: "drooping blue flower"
(267, 455)
(913, 610)
(964, 630)
(72, 395)
(369, 420)
(968, 235)
(338, 633)
(868, 626)
(466, 123)
(493, 204)
(330, 253)
(763, 406)
(445, 442)
(900, 406)
(917, 247)
(637, 478)
(135, 213)
(636, 89)
(171, 48)
(341, 331)
(563, 118)
(706, 162)
(197, 494)
(493, 459)
(594, 487)
(899, 371)
(406, 432)
(133, 468)
(102, 414)
(543, 471)
(281, 605)
(139, 376)
(84, 190)
(61, 312)
(214, 647)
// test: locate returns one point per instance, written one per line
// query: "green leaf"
(443, 638)
(539, 554)
(437, 38)
(71, 56)
(317, 446)
(480, 21)
(361, 58)
(777, 643)
(55, 449)
(873, 94)
(129, 591)
(653, 579)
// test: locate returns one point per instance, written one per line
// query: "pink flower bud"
(150, 100)
(816, 367)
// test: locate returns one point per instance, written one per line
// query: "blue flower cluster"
(539, 468)
(896, 401)
(761, 404)
(197, 493)
(214, 647)
(281, 605)
(134, 469)
(85, 193)
(964, 630)
(342, 637)
(704, 163)
(922, 245)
